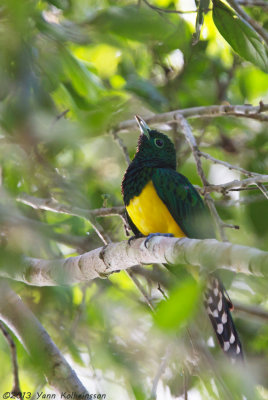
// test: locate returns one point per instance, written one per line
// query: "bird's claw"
(132, 238)
(156, 234)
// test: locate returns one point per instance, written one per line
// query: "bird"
(160, 201)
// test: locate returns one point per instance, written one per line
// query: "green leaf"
(241, 37)
(85, 82)
(134, 23)
(183, 301)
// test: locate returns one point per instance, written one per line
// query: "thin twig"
(121, 145)
(53, 205)
(244, 111)
(253, 3)
(186, 129)
(166, 10)
(227, 165)
(236, 184)
(262, 189)
(131, 274)
(58, 117)
(255, 26)
(162, 291)
(243, 188)
(16, 384)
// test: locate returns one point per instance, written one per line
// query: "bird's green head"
(154, 148)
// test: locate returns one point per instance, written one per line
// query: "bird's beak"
(144, 128)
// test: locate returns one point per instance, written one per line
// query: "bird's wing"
(184, 203)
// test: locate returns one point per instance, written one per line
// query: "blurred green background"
(70, 71)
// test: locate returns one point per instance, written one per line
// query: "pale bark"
(208, 254)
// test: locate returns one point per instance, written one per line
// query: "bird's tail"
(219, 308)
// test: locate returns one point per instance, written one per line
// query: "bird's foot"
(156, 234)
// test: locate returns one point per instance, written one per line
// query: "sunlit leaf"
(83, 80)
(241, 37)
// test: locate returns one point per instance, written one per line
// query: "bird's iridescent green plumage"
(174, 189)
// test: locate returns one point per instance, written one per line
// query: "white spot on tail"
(219, 329)
(226, 346)
(232, 338)
(224, 318)
(215, 313)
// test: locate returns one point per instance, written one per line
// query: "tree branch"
(245, 111)
(35, 339)
(209, 254)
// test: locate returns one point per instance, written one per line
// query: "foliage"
(71, 71)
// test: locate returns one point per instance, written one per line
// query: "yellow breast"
(150, 214)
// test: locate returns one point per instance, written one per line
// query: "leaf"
(183, 300)
(134, 23)
(241, 37)
(85, 82)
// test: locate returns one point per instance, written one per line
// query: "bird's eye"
(159, 142)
